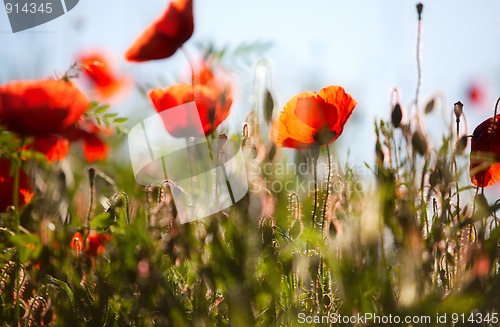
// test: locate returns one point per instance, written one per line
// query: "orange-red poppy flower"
(485, 153)
(166, 35)
(98, 70)
(40, 107)
(313, 118)
(7, 186)
(211, 95)
(213, 108)
(94, 243)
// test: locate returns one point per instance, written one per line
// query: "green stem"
(327, 186)
(15, 200)
(91, 204)
(315, 177)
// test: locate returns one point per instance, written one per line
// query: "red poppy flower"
(77, 243)
(94, 243)
(485, 153)
(477, 94)
(98, 70)
(313, 118)
(213, 101)
(7, 186)
(166, 35)
(52, 112)
(40, 107)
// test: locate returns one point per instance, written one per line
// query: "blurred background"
(368, 47)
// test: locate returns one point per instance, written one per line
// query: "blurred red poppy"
(51, 111)
(213, 101)
(477, 94)
(98, 70)
(166, 35)
(94, 243)
(485, 153)
(41, 107)
(7, 186)
(313, 118)
(55, 147)
(77, 243)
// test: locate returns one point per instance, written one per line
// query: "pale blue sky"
(366, 46)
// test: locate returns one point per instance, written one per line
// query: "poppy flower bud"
(419, 143)
(458, 108)
(379, 153)
(420, 8)
(434, 178)
(268, 106)
(397, 115)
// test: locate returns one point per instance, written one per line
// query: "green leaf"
(111, 115)
(120, 120)
(29, 246)
(102, 221)
(65, 287)
(101, 109)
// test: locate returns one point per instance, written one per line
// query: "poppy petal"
(213, 107)
(40, 107)
(166, 35)
(342, 102)
(54, 147)
(314, 111)
(98, 70)
(289, 131)
(94, 148)
(485, 153)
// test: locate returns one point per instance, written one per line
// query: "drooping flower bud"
(458, 108)
(397, 115)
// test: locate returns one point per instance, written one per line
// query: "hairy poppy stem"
(419, 61)
(17, 176)
(314, 156)
(458, 114)
(327, 186)
(91, 204)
